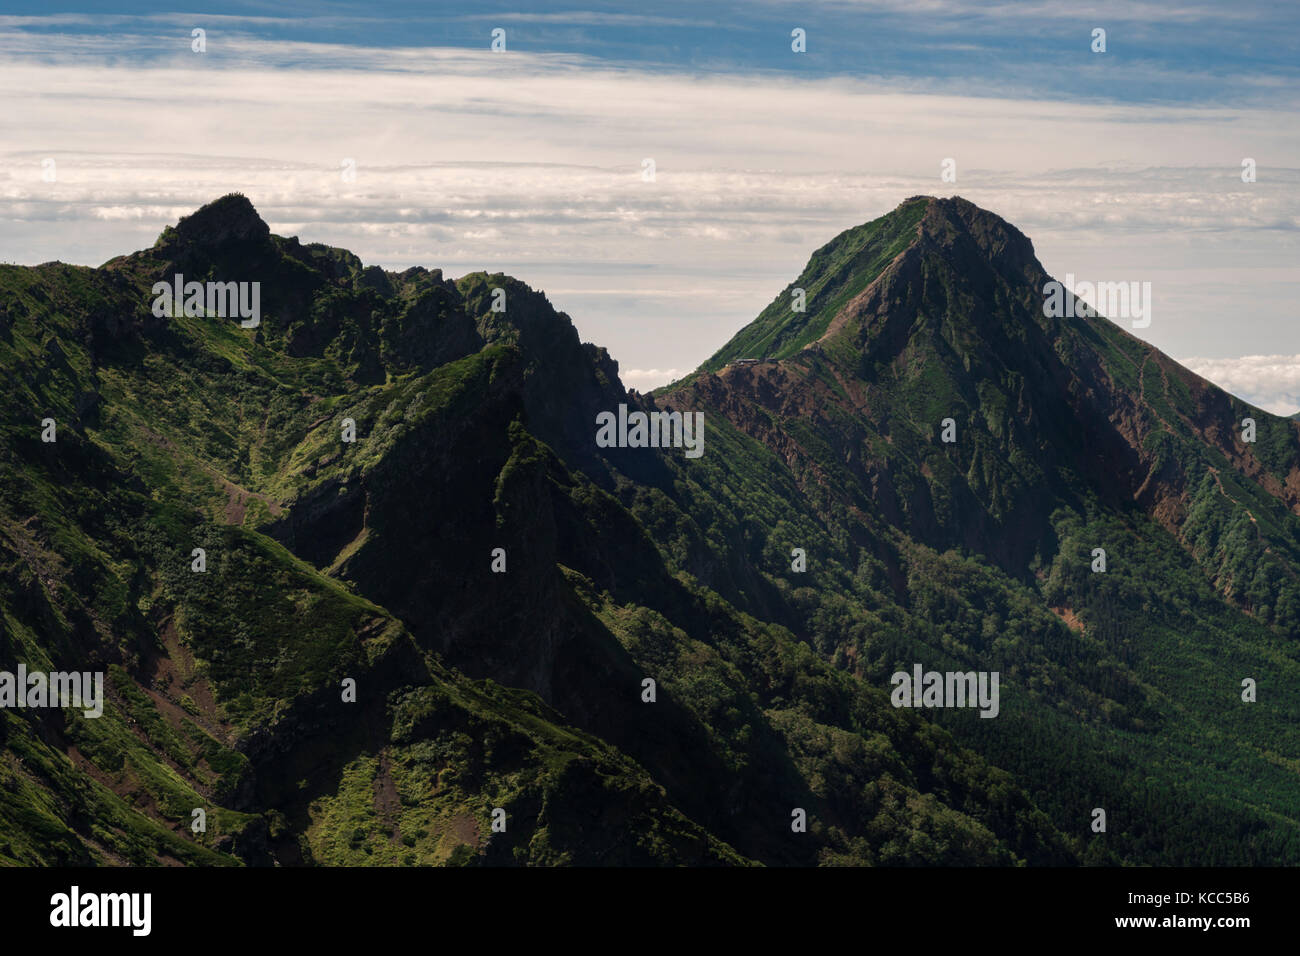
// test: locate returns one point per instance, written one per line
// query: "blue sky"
(1120, 166)
(1191, 52)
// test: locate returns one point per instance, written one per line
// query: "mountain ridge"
(523, 688)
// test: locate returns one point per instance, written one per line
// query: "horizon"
(531, 161)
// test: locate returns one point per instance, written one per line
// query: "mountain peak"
(940, 214)
(935, 319)
(230, 217)
(947, 221)
(955, 228)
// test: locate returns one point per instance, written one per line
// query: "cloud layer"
(534, 164)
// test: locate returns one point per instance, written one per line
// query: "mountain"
(611, 645)
(1071, 435)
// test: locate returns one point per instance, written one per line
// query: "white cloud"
(531, 164)
(1272, 382)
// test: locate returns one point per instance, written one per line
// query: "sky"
(1122, 165)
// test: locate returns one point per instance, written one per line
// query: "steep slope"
(371, 560)
(834, 276)
(1070, 435)
(224, 687)
(1046, 410)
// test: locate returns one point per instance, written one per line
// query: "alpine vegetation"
(236, 529)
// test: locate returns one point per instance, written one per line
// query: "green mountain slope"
(1123, 688)
(330, 561)
(836, 273)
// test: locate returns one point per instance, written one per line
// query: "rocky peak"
(230, 218)
(958, 224)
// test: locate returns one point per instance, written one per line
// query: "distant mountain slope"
(954, 328)
(1070, 435)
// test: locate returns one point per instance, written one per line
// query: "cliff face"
(395, 482)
